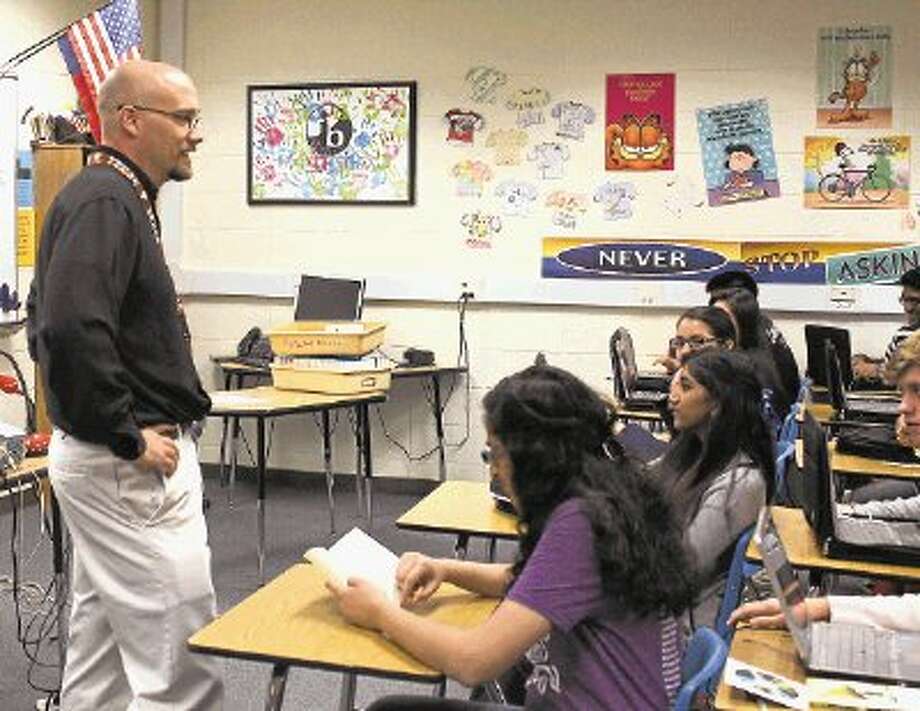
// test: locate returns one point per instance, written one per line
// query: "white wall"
(720, 54)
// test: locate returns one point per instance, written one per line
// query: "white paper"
(357, 555)
(844, 693)
(766, 685)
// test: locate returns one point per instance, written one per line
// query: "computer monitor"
(329, 299)
(815, 338)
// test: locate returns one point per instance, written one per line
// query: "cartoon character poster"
(639, 132)
(845, 172)
(736, 141)
(854, 77)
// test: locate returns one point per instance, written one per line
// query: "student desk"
(235, 374)
(801, 546)
(865, 466)
(772, 650)
(293, 621)
(265, 402)
(464, 508)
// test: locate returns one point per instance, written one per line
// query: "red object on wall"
(9, 385)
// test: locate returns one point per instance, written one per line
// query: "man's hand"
(161, 454)
(864, 368)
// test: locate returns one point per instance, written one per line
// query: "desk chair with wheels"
(701, 666)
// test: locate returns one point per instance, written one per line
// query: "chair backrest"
(785, 453)
(701, 666)
(620, 346)
(738, 571)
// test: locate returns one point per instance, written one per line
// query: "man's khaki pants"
(141, 581)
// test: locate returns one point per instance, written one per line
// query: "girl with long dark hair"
(600, 574)
(719, 468)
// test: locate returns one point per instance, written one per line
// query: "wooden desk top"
(854, 464)
(460, 507)
(267, 401)
(772, 650)
(294, 620)
(802, 548)
(639, 415)
(27, 469)
(823, 412)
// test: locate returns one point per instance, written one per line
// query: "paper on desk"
(229, 399)
(849, 694)
(357, 555)
(764, 684)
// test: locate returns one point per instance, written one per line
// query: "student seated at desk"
(719, 467)
(600, 573)
(892, 612)
(699, 328)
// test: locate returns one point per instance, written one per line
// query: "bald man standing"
(124, 397)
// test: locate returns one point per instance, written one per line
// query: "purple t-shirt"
(594, 657)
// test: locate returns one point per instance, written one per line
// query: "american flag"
(95, 45)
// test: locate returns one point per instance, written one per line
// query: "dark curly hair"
(557, 433)
(717, 321)
(696, 457)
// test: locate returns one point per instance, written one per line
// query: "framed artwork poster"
(331, 143)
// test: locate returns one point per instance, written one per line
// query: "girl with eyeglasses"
(599, 576)
(719, 467)
(699, 328)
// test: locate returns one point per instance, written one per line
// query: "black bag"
(255, 347)
(874, 442)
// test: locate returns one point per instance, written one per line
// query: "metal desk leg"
(223, 438)
(368, 464)
(235, 445)
(347, 697)
(463, 540)
(439, 425)
(327, 462)
(260, 503)
(276, 685)
(359, 461)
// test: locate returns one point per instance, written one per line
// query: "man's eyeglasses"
(191, 118)
(486, 455)
(909, 301)
(694, 343)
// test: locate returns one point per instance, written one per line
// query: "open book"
(357, 555)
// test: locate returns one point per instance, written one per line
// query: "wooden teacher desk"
(801, 546)
(265, 402)
(236, 372)
(771, 650)
(293, 621)
(464, 508)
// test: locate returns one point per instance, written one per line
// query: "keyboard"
(878, 532)
(873, 406)
(853, 649)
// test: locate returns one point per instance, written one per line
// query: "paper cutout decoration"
(737, 148)
(681, 193)
(854, 77)
(480, 227)
(573, 116)
(616, 199)
(516, 196)
(871, 173)
(568, 207)
(484, 83)
(462, 126)
(550, 158)
(529, 104)
(639, 129)
(471, 177)
(507, 144)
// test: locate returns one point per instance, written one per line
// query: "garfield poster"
(639, 133)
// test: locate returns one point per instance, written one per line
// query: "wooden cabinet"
(52, 166)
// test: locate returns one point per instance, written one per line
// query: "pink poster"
(639, 132)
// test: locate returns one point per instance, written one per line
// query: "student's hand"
(864, 368)
(360, 602)
(161, 454)
(670, 363)
(418, 577)
(766, 614)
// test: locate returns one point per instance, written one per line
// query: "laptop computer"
(626, 376)
(815, 338)
(329, 299)
(870, 409)
(840, 536)
(834, 648)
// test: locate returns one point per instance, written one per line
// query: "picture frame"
(331, 143)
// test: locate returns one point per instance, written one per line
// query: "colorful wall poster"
(25, 212)
(871, 172)
(884, 266)
(854, 77)
(736, 141)
(639, 133)
(331, 143)
(690, 260)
